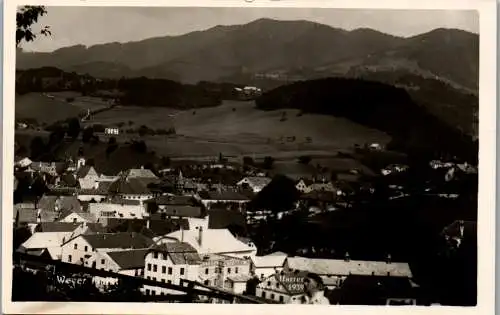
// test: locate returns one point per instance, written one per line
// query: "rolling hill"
(270, 46)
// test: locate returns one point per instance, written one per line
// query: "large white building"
(265, 266)
(170, 263)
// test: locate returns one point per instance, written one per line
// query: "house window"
(81, 259)
(169, 270)
(148, 277)
(277, 285)
(75, 246)
(206, 271)
(281, 299)
(69, 258)
(272, 296)
(163, 269)
(162, 280)
(182, 271)
(228, 270)
(268, 283)
(169, 281)
(149, 267)
(236, 270)
(86, 248)
(155, 255)
(206, 282)
(153, 292)
(103, 261)
(154, 278)
(263, 294)
(147, 291)
(155, 268)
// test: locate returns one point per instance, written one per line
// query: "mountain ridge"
(267, 45)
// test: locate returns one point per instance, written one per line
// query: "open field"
(236, 129)
(49, 109)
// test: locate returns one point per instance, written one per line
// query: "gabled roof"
(214, 241)
(118, 240)
(84, 215)
(130, 186)
(140, 173)
(181, 253)
(347, 267)
(129, 259)
(84, 171)
(30, 216)
(56, 227)
(258, 181)
(41, 240)
(269, 261)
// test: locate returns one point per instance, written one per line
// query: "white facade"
(160, 267)
(76, 251)
(112, 131)
(115, 210)
(265, 266)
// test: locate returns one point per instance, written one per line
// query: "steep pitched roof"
(269, 261)
(219, 241)
(181, 253)
(130, 186)
(118, 240)
(140, 173)
(56, 227)
(84, 171)
(129, 259)
(344, 267)
(257, 181)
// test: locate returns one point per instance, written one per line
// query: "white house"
(265, 266)
(45, 241)
(83, 247)
(128, 262)
(213, 241)
(281, 287)
(131, 188)
(256, 183)
(118, 208)
(215, 270)
(87, 177)
(304, 185)
(237, 283)
(112, 131)
(170, 263)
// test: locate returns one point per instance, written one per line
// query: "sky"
(97, 25)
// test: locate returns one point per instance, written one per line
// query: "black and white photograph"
(247, 155)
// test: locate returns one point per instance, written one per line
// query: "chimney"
(200, 235)
(148, 223)
(389, 258)
(347, 257)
